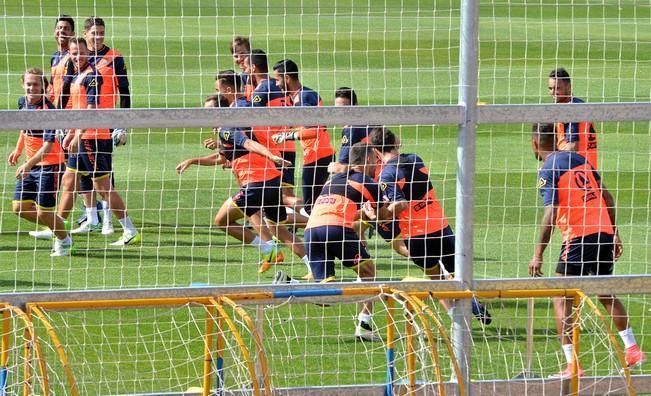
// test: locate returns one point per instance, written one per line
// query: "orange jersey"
(35, 139)
(62, 72)
(248, 167)
(315, 140)
(267, 94)
(341, 199)
(571, 184)
(406, 178)
(84, 91)
(582, 132)
(110, 64)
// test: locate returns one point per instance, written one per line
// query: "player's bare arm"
(23, 170)
(544, 236)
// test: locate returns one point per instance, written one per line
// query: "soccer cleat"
(42, 234)
(107, 227)
(61, 249)
(567, 373)
(634, 356)
(308, 277)
(481, 312)
(272, 257)
(364, 332)
(281, 277)
(128, 238)
(86, 228)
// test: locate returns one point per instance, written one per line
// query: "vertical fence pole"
(468, 76)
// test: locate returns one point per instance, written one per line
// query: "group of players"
(85, 74)
(372, 183)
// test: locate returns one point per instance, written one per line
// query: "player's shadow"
(14, 285)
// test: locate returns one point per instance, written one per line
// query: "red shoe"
(567, 373)
(634, 356)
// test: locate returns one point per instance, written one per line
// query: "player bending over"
(329, 234)
(584, 211)
(38, 178)
(428, 237)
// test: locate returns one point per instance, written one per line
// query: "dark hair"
(93, 21)
(66, 18)
(287, 67)
(560, 74)
(359, 153)
(219, 100)
(383, 139)
(230, 78)
(347, 93)
(240, 40)
(258, 58)
(544, 134)
(77, 41)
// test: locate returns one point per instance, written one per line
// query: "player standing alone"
(584, 211)
(572, 136)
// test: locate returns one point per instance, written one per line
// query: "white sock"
(628, 338)
(127, 225)
(106, 211)
(568, 350)
(450, 312)
(257, 242)
(91, 215)
(307, 264)
(266, 247)
(364, 317)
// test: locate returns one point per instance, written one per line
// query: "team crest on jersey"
(227, 135)
(383, 186)
(344, 139)
(257, 99)
(92, 83)
(541, 182)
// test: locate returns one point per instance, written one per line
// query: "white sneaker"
(128, 238)
(86, 228)
(107, 228)
(364, 332)
(42, 234)
(61, 248)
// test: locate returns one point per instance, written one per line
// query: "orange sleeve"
(307, 133)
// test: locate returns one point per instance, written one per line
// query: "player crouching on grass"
(329, 234)
(255, 168)
(38, 178)
(584, 211)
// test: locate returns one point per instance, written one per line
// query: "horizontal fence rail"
(332, 116)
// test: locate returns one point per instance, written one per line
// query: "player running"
(91, 149)
(572, 136)
(329, 234)
(428, 237)
(38, 178)
(315, 140)
(584, 211)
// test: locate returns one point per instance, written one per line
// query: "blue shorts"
(263, 196)
(324, 244)
(314, 176)
(288, 171)
(40, 186)
(388, 230)
(95, 158)
(429, 251)
(589, 255)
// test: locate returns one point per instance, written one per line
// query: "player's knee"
(17, 207)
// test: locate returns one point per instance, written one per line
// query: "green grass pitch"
(391, 52)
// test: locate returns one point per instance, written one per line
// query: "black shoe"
(481, 312)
